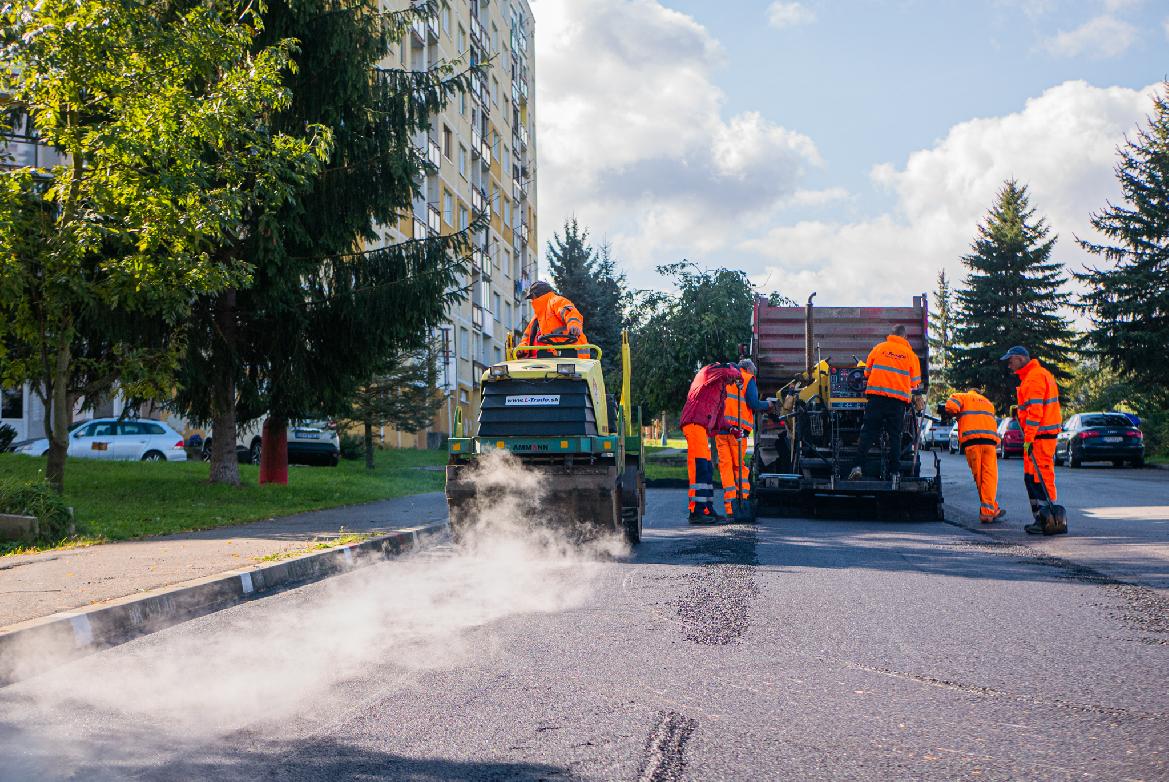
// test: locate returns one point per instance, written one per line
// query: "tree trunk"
(224, 462)
(664, 429)
(62, 417)
(368, 443)
(274, 451)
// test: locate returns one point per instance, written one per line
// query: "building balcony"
(477, 317)
(485, 152)
(418, 33)
(476, 142)
(433, 219)
(477, 32)
(419, 229)
(433, 154)
(476, 87)
(432, 28)
(524, 232)
(477, 199)
(521, 132)
(477, 259)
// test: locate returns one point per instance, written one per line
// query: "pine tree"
(941, 339)
(1013, 296)
(1128, 299)
(588, 277)
(321, 314)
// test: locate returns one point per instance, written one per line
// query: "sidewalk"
(37, 585)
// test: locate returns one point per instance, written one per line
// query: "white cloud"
(1100, 38)
(633, 139)
(1166, 26)
(1062, 145)
(781, 15)
(1112, 6)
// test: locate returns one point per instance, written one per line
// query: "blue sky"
(816, 144)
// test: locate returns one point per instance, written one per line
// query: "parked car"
(1010, 438)
(953, 445)
(935, 435)
(309, 442)
(1100, 437)
(114, 439)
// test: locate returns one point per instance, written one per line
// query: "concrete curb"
(34, 646)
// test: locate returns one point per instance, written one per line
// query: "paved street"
(797, 649)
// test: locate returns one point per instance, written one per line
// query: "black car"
(1100, 437)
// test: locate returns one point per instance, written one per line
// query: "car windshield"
(1105, 420)
(1013, 425)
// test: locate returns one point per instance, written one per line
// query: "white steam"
(280, 655)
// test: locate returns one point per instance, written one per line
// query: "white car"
(117, 440)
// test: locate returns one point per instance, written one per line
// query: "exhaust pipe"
(809, 329)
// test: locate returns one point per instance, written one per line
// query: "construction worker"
(740, 408)
(702, 416)
(893, 374)
(554, 316)
(1041, 420)
(978, 438)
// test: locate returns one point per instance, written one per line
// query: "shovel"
(744, 512)
(1054, 518)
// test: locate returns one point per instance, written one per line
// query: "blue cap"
(1018, 350)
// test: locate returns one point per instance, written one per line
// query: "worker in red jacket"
(702, 416)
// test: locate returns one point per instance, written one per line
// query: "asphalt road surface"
(796, 649)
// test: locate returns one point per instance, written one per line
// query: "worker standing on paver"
(740, 408)
(553, 316)
(1041, 419)
(893, 375)
(703, 415)
(978, 438)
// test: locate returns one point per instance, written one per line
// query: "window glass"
(462, 160)
(496, 306)
(464, 343)
(464, 220)
(462, 40)
(446, 18)
(12, 403)
(130, 428)
(155, 429)
(448, 209)
(1107, 419)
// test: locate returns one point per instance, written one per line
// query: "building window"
(12, 403)
(498, 354)
(494, 38)
(446, 18)
(495, 93)
(464, 219)
(462, 40)
(463, 395)
(505, 263)
(496, 306)
(448, 143)
(510, 315)
(464, 343)
(463, 161)
(494, 145)
(506, 160)
(463, 103)
(506, 211)
(448, 208)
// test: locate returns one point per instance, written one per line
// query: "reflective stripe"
(955, 400)
(972, 432)
(701, 486)
(1050, 428)
(987, 505)
(729, 492)
(890, 391)
(1039, 401)
(975, 412)
(913, 381)
(894, 370)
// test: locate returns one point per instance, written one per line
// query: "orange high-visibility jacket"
(742, 402)
(554, 313)
(977, 424)
(1039, 413)
(892, 369)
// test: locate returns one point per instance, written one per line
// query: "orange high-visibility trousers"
(731, 453)
(984, 466)
(698, 468)
(1044, 453)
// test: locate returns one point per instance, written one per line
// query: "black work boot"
(1036, 527)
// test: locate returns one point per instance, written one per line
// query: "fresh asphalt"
(795, 649)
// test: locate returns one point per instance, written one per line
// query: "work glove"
(737, 432)
(574, 331)
(1026, 449)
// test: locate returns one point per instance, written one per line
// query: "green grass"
(1157, 459)
(123, 500)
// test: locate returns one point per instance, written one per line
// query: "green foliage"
(36, 498)
(678, 333)
(7, 436)
(161, 115)
(1128, 297)
(588, 277)
(1012, 296)
(352, 446)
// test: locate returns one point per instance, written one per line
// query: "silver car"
(112, 439)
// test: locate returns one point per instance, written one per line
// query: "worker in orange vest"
(554, 316)
(893, 374)
(702, 416)
(1041, 419)
(742, 403)
(978, 437)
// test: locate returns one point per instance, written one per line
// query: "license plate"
(309, 435)
(1112, 439)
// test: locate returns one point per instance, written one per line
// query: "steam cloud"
(100, 716)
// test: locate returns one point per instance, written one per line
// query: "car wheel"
(1074, 460)
(45, 453)
(153, 456)
(1139, 462)
(1057, 459)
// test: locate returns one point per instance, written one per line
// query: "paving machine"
(548, 407)
(812, 362)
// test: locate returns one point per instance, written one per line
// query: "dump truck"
(547, 405)
(811, 367)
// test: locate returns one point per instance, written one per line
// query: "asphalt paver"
(801, 649)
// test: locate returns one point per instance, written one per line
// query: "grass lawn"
(120, 500)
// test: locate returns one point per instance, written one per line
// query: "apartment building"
(481, 154)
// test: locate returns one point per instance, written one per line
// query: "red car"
(1010, 438)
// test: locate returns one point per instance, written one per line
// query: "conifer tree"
(941, 338)
(1013, 296)
(1128, 297)
(588, 277)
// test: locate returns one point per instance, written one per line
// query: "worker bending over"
(893, 373)
(554, 316)
(978, 438)
(731, 443)
(703, 415)
(1041, 419)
